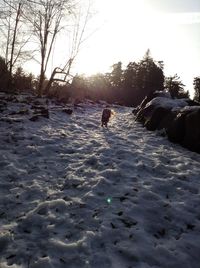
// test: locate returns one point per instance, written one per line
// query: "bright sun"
(121, 27)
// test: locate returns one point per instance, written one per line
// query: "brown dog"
(106, 114)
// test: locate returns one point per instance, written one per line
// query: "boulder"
(180, 118)
(192, 131)
(158, 114)
(167, 120)
(167, 103)
(176, 130)
(153, 95)
(145, 114)
(192, 102)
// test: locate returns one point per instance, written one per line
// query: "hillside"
(74, 194)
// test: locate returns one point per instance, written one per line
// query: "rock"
(41, 111)
(176, 130)
(37, 103)
(45, 112)
(192, 131)
(144, 114)
(158, 114)
(167, 120)
(23, 112)
(179, 118)
(68, 111)
(34, 118)
(135, 110)
(153, 95)
(192, 102)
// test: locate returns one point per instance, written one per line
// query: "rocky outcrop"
(158, 105)
(180, 118)
(150, 97)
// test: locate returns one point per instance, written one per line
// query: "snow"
(167, 103)
(74, 194)
(163, 94)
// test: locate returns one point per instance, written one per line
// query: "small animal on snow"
(106, 114)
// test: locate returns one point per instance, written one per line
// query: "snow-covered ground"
(73, 194)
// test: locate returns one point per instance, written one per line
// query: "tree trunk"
(13, 47)
(41, 83)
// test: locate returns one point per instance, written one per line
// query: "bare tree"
(44, 20)
(49, 18)
(46, 17)
(13, 38)
(78, 29)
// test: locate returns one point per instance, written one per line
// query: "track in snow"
(73, 194)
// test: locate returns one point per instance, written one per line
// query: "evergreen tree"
(141, 79)
(150, 76)
(196, 84)
(130, 84)
(4, 74)
(175, 87)
(22, 81)
(116, 75)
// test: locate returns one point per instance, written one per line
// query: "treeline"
(29, 30)
(128, 86)
(21, 81)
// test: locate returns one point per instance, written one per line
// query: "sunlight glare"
(123, 30)
(122, 23)
(109, 200)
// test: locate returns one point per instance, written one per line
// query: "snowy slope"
(73, 194)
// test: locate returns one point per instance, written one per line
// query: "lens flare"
(109, 200)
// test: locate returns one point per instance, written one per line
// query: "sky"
(125, 29)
